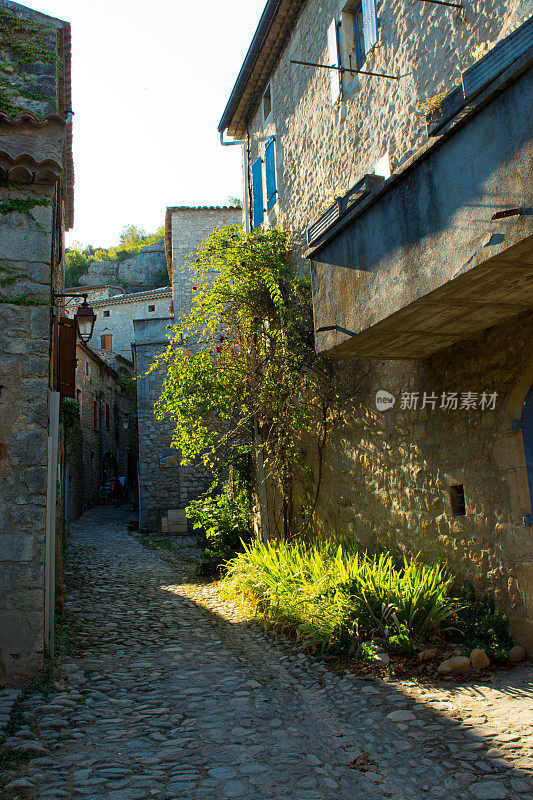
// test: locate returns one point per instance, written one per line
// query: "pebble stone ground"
(175, 696)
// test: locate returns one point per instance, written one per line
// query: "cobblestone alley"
(174, 696)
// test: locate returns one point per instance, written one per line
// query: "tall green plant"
(248, 358)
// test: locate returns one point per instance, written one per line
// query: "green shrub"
(481, 624)
(223, 523)
(329, 597)
(399, 641)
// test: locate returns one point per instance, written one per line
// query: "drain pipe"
(245, 203)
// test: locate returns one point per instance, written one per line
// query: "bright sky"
(149, 84)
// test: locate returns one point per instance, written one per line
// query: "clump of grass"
(330, 597)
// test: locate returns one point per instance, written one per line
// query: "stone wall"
(163, 483)
(323, 149)
(24, 380)
(188, 228)
(387, 476)
(88, 445)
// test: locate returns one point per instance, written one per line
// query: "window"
(95, 415)
(357, 33)
(87, 368)
(359, 36)
(267, 105)
(106, 341)
(107, 416)
(457, 500)
(258, 211)
(151, 308)
(106, 313)
(270, 172)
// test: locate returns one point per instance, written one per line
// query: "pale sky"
(149, 84)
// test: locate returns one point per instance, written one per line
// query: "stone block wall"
(25, 277)
(188, 228)
(163, 483)
(387, 475)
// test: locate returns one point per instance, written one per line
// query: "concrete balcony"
(444, 248)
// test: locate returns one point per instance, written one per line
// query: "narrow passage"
(174, 696)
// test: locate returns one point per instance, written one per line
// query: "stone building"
(98, 444)
(163, 483)
(418, 242)
(36, 206)
(113, 329)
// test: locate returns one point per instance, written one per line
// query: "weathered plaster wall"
(163, 483)
(25, 276)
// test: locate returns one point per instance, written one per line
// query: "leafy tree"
(131, 235)
(248, 368)
(76, 264)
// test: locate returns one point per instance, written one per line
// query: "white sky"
(150, 81)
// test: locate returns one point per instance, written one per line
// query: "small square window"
(267, 105)
(106, 313)
(457, 500)
(151, 308)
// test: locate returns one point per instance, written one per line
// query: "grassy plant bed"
(366, 613)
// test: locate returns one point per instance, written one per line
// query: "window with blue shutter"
(370, 24)
(257, 193)
(270, 171)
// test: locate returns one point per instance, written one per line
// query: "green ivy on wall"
(26, 42)
(23, 206)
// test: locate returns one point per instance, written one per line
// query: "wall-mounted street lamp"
(125, 421)
(84, 317)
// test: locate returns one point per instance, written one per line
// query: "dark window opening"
(106, 313)
(457, 500)
(95, 415)
(107, 416)
(267, 103)
(151, 308)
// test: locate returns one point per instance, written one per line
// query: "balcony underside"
(444, 248)
(497, 290)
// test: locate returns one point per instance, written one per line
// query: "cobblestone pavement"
(174, 696)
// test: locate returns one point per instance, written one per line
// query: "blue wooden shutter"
(334, 61)
(270, 171)
(257, 193)
(370, 24)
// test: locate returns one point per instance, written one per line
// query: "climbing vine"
(248, 360)
(23, 206)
